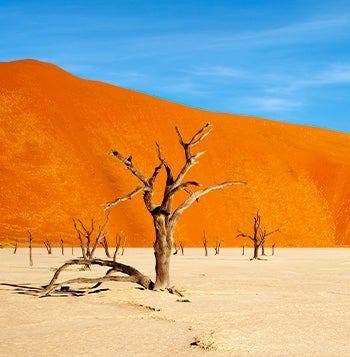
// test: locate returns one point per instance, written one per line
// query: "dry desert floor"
(297, 303)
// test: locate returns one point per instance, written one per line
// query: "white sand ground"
(295, 304)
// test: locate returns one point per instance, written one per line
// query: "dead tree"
(273, 249)
(263, 236)
(48, 246)
(123, 246)
(62, 246)
(104, 244)
(164, 216)
(259, 235)
(118, 241)
(243, 249)
(181, 248)
(16, 246)
(217, 247)
(72, 250)
(85, 237)
(30, 248)
(205, 245)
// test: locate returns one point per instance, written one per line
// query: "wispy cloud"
(127, 76)
(217, 71)
(272, 104)
(335, 74)
(185, 87)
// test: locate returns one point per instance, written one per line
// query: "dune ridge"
(57, 130)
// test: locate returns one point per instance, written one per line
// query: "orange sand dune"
(57, 130)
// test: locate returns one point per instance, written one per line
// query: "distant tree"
(181, 248)
(273, 249)
(85, 234)
(105, 246)
(259, 235)
(217, 247)
(16, 246)
(62, 246)
(48, 246)
(205, 244)
(30, 248)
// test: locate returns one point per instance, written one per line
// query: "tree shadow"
(65, 291)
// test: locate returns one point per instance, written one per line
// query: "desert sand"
(297, 303)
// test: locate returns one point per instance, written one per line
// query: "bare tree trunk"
(256, 251)
(182, 248)
(30, 249)
(243, 250)
(162, 252)
(217, 248)
(62, 247)
(205, 244)
(72, 251)
(273, 249)
(104, 243)
(262, 249)
(123, 246)
(16, 246)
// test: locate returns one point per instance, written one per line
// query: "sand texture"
(297, 303)
(56, 131)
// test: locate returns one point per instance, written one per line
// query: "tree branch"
(129, 165)
(129, 196)
(196, 195)
(243, 235)
(268, 234)
(140, 279)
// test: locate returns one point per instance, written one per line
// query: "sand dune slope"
(57, 130)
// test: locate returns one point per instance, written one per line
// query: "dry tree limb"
(133, 275)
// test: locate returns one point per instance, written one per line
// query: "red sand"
(57, 130)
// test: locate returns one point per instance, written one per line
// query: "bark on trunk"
(256, 251)
(162, 252)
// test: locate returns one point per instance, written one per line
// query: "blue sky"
(285, 60)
